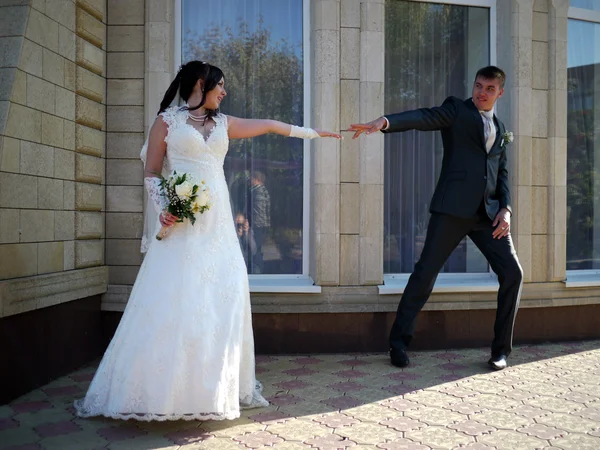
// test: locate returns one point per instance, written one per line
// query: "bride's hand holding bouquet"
(185, 199)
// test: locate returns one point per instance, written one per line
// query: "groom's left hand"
(502, 224)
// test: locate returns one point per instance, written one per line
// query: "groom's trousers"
(444, 233)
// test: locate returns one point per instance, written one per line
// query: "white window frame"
(291, 283)
(590, 277)
(395, 283)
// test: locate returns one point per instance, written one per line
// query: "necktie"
(489, 129)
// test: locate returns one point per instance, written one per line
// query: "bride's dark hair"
(186, 79)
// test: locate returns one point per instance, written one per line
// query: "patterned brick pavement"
(549, 398)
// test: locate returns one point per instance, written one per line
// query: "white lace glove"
(303, 133)
(152, 185)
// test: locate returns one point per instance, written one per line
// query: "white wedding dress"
(184, 348)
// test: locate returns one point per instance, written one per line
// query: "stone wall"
(535, 104)
(125, 137)
(346, 203)
(140, 71)
(52, 142)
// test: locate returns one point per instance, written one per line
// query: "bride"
(184, 348)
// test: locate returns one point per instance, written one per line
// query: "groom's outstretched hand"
(368, 128)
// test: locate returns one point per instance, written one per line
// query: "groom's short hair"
(492, 73)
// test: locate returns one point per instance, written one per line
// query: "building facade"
(337, 225)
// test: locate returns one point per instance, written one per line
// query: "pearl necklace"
(197, 118)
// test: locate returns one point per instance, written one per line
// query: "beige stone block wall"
(514, 55)
(347, 71)
(325, 171)
(45, 180)
(537, 105)
(347, 203)
(535, 58)
(39, 160)
(350, 150)
(125, 137)
(89, 76)
(557, 142)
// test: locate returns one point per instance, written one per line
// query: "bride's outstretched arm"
(247, 128)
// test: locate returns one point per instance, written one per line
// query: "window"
(586, 4)
(583, 129)
(432, 51)
(259, 45)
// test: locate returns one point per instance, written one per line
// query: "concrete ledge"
(448, 283)
(366, 299)
(582, 278)
(115, 298)
(27, 294)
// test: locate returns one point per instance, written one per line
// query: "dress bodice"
(188, 150)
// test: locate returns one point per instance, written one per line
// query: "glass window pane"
(586, 4)
(258, 45)
(431, 51)
(583, 146)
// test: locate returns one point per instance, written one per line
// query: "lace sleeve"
(169, 116)
(159, 201)
(223, 119)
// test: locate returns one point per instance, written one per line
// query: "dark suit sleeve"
(424, 119)
(502, 187)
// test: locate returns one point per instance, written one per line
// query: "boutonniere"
(507, 138)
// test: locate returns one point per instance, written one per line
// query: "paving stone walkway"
(549, 398)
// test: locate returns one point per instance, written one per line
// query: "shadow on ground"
(549, 397)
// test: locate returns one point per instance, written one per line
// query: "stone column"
(557, 138)
(372, 57)
(158, 57)
(350, 200)
(51, 153)
(514, 49)
(362, 49)
(90, 113)
(325, 167)
(125, 137)
(540, 178)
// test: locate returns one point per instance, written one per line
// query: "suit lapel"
(479, 120)
(497, 147)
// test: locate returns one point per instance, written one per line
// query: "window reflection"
(258, 44)
(431, 51)
(583, 146)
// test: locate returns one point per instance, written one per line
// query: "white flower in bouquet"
(184, 190)
(185, 198)
(203, 197)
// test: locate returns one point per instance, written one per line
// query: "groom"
(471, 198)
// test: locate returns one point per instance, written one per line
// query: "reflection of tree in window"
(263, 79)
(583, 169)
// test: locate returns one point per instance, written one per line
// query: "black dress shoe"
(498, 362)
(398, 357)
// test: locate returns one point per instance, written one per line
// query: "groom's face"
(486, 92)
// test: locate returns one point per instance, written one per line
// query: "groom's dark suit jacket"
(469, 173)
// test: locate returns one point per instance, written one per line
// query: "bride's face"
(215, 96)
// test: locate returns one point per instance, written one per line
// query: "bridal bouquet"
(184, 197)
